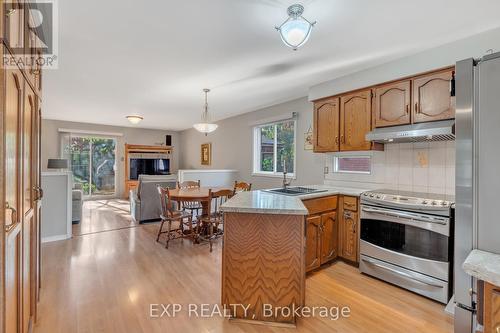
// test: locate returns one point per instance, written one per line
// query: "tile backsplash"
(419, 167)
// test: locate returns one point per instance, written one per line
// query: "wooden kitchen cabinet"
(392, 104)
(432, 98)
(321, 231)
(329, 237)
(326, 125)
(491, 308)
(355, 120)
(313, 242)
(349, 228)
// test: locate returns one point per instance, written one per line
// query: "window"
(274, 148)
(352, 164)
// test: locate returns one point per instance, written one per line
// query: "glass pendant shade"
(295, 31)
(205, 126)
(134, 119)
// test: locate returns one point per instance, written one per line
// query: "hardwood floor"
(104, 215)
(105, 282)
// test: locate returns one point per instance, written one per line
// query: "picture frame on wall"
(206, 154)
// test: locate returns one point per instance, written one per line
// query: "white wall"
(51, 143)
(442, 56)
(232, 146)
(419, 167)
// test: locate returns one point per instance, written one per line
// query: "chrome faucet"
(286, 182)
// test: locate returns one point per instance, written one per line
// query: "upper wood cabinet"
(489, 308)
(355, 120)
(392, 104)
(432, 98)
(326, 125)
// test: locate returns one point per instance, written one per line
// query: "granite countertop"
(483, 266)
(261, 201)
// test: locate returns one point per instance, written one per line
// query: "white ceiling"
(153, 58)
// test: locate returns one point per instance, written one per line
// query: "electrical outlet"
(325, 170)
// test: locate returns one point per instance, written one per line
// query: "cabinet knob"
(336, 139)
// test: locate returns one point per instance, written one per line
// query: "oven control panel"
(407, 200)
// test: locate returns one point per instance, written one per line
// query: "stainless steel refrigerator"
(477, 131)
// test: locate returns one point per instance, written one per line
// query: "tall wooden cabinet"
(20, 192)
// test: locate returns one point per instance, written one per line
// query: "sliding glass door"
(93, 162)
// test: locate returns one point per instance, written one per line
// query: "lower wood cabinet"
(491, 308)
(329, 237)
(331, 232)
(313, 242)
(349, 237)
(321, 239)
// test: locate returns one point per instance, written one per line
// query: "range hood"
(443, 130)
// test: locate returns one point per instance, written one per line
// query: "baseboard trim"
(54, 238)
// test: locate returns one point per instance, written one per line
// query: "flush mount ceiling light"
(205, 126)
(295, 31)
(134, 119)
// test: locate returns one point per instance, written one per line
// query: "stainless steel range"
(406, 239)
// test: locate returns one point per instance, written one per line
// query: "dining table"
(196, 194)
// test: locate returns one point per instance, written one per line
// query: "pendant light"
(295, 31)
(205, 126)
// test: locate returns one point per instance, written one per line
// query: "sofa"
(145, 203)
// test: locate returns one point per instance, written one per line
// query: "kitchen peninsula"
(271, 240)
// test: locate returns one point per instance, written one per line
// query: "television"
(148, 166)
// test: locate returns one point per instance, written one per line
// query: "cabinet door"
(28, 250)
(491, 308)
(14, 26)
(432, 98)
(355, 120)
(392, 104)
(13, 113)
(14, 85)
(313, 239)
(326, 125)
(350, 236)
(329, 237)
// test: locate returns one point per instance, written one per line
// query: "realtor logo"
(31, 34)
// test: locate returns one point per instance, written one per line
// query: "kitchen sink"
(295, 190)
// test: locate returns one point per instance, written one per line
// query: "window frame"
(257, 151)
(336, 164)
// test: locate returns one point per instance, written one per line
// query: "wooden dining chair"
(211, 226)
(170, 215)
(241, 187)
(191, 206)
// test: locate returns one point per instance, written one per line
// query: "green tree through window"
(276, 147)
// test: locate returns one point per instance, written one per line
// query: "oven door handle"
(407, 275)
(409, 216)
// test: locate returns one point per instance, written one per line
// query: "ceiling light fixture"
(295, 31)
(134, 119)
(205, 126)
